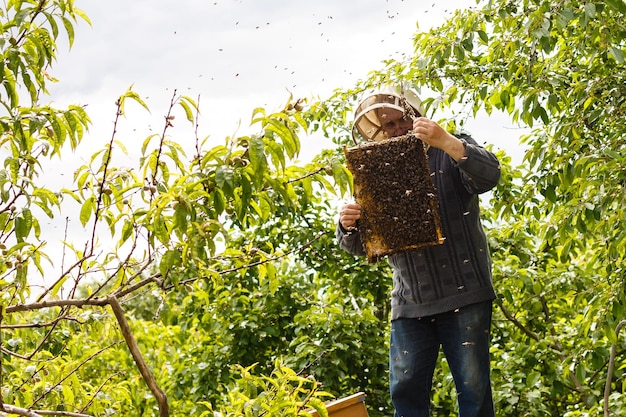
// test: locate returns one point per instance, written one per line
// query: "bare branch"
(310, 174)
(609, 376)
(556, 346)
(253, 264)
(196, 127)
(61, 413)
(168, 123)
(119, 268)
(52, 388)
(160, 396)
(40, 325)
(105, 171)
(56, 303)
(11, 353)
(517, 323)
(62, 314)
(63, 275)
(95, 394)
(10, 409)
(100, 302)
(17, 411)
(156, 278)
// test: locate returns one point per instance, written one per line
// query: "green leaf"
(171, 259)
(224, 178)
(23, 224)
(218, 202)
(45, 199)
(617, 54)
(127, 231)
(87, 209)
(483, 36)
(69, 30)
(590, 9)
(258, 159)
(189, 106)
(132, 96)
(289, 139)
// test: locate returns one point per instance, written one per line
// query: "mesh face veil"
(367, 124)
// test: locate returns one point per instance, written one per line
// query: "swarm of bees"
(399, 205)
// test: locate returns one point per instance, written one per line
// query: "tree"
(556, 222)
(208, 280)
(182, 230)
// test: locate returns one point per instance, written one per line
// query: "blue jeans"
(415, 343)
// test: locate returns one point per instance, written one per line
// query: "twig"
(63, 275)
(52, 388)
(61, 413)
(555, 346)
(105, 171)
(160, 396)
(40, 325)
(18, 411)
(257, 263)
(14, 354)
(38, 413)
(118, 269)
(609, 376)
(63, 313)
(196, 127)
(162, 139)
(156, 278)
(95, 394)
(310, 174)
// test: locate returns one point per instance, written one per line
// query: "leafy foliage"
(207, 280)
(557, 221)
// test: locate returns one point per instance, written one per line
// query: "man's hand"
(437, 137)
(349, 214)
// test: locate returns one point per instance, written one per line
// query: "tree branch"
(119, 268)
(257, 263)
(517, 323)
(609, 376)
(49, 390)
(40, 325)
(10, 409)
(18, 411)
(160, 396)
(536, 337)
(100, 302)
(56, 303)
(95, 394)
(62, 277)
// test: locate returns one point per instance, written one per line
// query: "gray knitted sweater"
(457, 273)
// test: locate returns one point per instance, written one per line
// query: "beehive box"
(352, 406)
(399, 205)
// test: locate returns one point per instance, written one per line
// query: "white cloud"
(236, 55)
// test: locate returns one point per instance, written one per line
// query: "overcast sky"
(235, 55)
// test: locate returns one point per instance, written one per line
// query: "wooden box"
(399, 204)
(352, 406)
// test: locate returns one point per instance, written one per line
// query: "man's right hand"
(349, 214)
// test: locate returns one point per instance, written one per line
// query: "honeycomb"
(399, 205)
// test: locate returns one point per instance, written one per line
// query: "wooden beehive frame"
(399, 205)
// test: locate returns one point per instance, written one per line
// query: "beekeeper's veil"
(367, 126)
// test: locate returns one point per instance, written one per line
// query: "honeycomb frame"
(399, 204)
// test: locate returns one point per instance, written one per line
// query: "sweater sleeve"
(480, 169)
(350, 241)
